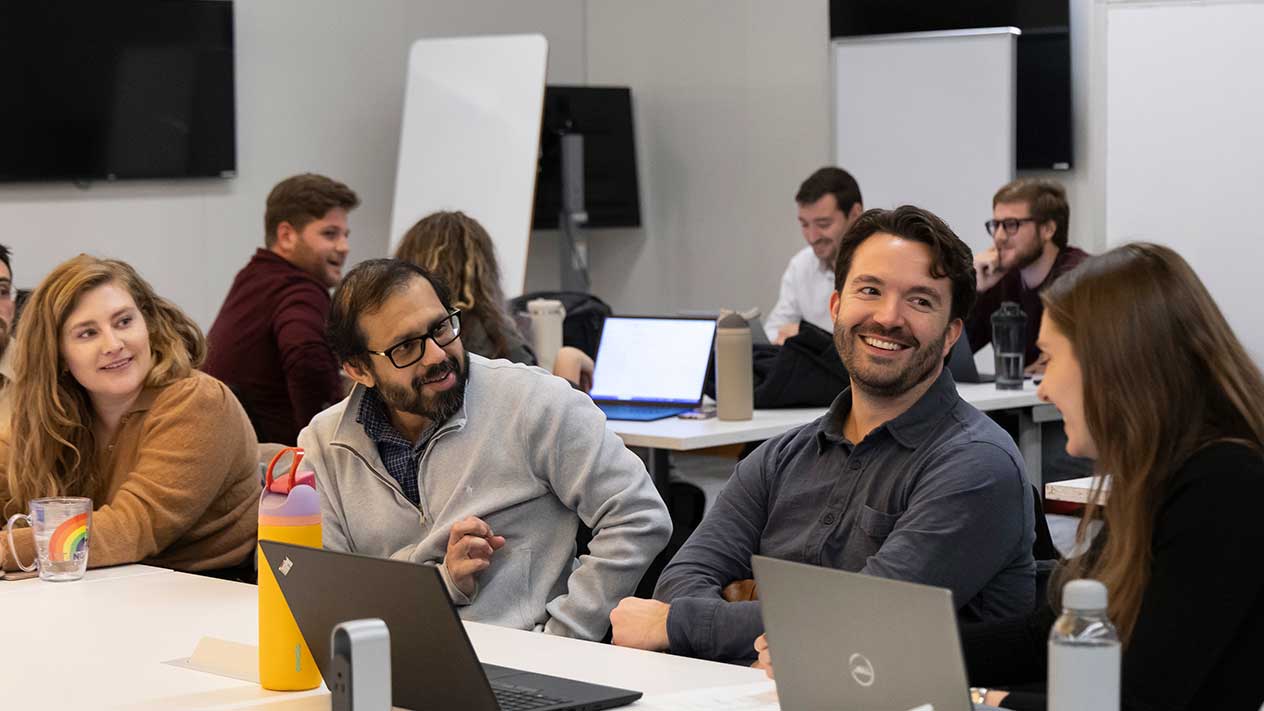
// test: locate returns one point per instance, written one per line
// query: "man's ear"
(856, 211)
(1047, 228)
(286, 237)
(955, 327)
(835, 302)
(358, 374)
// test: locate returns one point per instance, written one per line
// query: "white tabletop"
(101, 643)
(681, 435)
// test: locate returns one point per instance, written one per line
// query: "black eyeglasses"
(1011, 225)
(409, 351)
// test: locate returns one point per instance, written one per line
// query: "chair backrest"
(585, 315)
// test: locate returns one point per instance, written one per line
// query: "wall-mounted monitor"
(1043, 120)
(116, 90)
(603, 115)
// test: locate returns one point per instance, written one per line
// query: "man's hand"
(765, 656)
(790, 330)
(470, 548)
(1037, 368)
(641, 624)
(574, 365)
(987, 269)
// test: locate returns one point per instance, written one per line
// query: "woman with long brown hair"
(457, 249)
(107, 405)
(1153, 385)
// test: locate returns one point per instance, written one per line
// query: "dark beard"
(879, 384)
(437, 408)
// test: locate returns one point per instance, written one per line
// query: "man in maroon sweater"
(268, 341)
(1029, 252)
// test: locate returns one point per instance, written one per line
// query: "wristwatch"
(978, 694)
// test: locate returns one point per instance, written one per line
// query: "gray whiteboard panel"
(1185, 148)
(927, 119)
(470, 139)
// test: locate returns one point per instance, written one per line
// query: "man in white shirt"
(829, 202)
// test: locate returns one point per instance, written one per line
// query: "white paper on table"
(760, 696)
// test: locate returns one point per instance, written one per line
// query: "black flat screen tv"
(1043, 120)
(603, 115)
(116, 90)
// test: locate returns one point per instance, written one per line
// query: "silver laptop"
(651, 367)
(849, 641)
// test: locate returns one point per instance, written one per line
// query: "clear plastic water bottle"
(1083, 652)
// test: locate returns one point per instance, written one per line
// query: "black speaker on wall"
(1043, 118)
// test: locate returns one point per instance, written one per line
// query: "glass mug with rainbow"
(60, 525)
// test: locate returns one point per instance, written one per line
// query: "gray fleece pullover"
(532, 457)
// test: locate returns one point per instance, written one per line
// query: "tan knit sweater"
(184, 484)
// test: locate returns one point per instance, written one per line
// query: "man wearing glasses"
(1029, 252)
(482, 468)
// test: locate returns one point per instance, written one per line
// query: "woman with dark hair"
(107, 405)
(455, 247)
(1153, 385)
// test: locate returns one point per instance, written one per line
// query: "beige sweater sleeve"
(171, 462)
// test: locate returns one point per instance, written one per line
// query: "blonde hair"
(1163, 376)
(54, 450)
(456, 248)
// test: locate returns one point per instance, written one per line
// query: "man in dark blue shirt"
(901, 478)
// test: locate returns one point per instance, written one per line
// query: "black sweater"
(1199, 638)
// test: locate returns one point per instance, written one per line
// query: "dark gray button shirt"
(935, 496)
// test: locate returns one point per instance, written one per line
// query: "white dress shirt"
(805, 294)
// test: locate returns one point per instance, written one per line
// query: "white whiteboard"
(470, 139)
(1185, 145)
(927, 118)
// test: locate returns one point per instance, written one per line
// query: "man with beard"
(829, 201)
(267, 343)
(7, 309)
(1029, 252)
(481, 467)
(901, 478)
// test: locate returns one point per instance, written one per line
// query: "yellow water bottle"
(289, 511)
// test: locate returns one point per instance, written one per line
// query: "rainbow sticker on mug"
(69, 538)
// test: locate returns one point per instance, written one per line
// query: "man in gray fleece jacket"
(483, 468)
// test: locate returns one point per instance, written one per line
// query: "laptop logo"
(861, 669)
(285, 566)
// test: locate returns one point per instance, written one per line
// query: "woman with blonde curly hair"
(107, 404)
(456, 248)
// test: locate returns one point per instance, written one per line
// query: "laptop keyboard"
(520, 698)
(640, 412)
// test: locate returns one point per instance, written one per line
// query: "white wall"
(732, 111)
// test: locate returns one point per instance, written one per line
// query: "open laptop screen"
(652, 360)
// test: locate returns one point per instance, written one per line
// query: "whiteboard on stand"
(927, 118)
(470, 139)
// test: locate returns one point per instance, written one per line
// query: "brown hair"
(950, 257)
(363, 291)
(302, 199)
(456, 248)
(830, 181)
(1046, 199)
(54, 450)
(1163, 376)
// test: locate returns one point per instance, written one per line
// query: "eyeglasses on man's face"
(1011, 225)
(410, 350)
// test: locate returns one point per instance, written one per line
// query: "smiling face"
(823, 225)
(433, 388)
(892, 323)
(1025, 246)
(320, 248)
(1063, 387)
(105, 344)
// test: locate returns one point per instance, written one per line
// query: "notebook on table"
(651, 367)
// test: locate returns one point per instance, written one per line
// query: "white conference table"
(661, 437)
(102, 642)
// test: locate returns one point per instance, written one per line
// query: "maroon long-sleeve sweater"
(268, 345)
